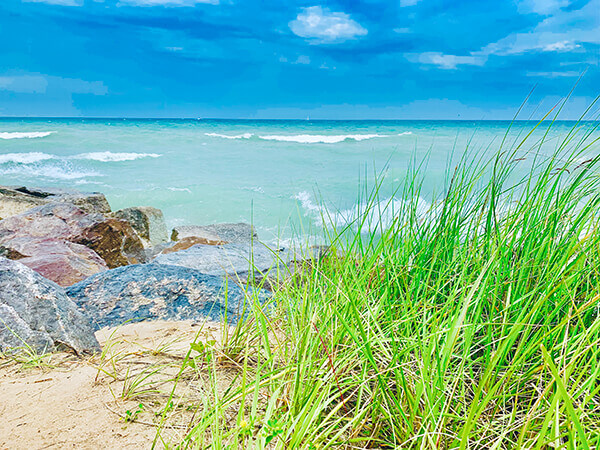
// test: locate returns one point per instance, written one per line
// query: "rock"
(13, 202)
(229, 259)
(63, 262)
(114, 240)
(156, 291)
(148, 222)
(16, 200)
(235, 233)
(36, 312)
(187, 242)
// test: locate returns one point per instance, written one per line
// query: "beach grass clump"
(473, 324)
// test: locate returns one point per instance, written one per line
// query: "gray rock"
(155, 291)
(229, 259)
(35, 311)
(233, 233)
(18, 199)
(148, 222)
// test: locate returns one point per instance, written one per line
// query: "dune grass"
(473, 324)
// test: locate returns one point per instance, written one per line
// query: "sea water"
(279, 175)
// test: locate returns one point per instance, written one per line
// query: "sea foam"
(373, 216)
(114, 157)
(225, 136)
(25, 158)
(24, 135)
(325, 139)
(49, 171)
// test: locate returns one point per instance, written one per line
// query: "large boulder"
(16, 200)
(148, 222)
(187, 242)
(63, 262)
(35, 312)
(229, 259)
(113, 239)
(156, 291)
(234, 233)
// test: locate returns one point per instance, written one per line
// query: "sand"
(69, 402)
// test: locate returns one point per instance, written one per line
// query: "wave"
(49, 171)
(114, 157)
(309, 138)
(24, 135)
(176, 189)
(374, 216)
(325, 139)
(25, 158)
(225, 136)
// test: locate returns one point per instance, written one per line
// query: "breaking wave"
(225, 136)
(24, 135)
(49, 171)
(309, 138)
(25, 158)
(114, 157)
(380, 215)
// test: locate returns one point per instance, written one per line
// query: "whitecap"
(114, 157)
(373, 216)
(321, 138)
(176, 189)
(49, 171)
(25, 158)
(225, 136)
(24, 135)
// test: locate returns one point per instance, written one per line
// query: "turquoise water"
(272, 173)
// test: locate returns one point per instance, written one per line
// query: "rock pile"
(68, 265)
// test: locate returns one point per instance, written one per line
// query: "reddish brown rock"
(187, 242)
(63, 262)
(114, 240)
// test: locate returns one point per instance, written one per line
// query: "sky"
(259, 59)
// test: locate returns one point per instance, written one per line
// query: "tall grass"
(473, 324)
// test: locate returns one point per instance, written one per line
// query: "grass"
(471, 325)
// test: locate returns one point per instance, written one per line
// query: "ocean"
(279, 175)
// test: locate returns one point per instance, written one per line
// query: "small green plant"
(132, 415)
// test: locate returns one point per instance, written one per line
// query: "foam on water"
(114, 157)
(51, 171)
(25, 158)
(321, 138)
(225, 136)
(24, 135)
(379, 215)
(308, 138)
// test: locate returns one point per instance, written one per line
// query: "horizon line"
(289, 120)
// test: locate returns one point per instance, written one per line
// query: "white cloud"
(58, 2)
(562, 46)
(324, 26)
(444, 61)
(41, 84)
(24, 84)
(561, 31)
(173, 3)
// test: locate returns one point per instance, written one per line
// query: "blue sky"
(400, 59)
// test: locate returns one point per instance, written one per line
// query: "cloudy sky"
(429, 59)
